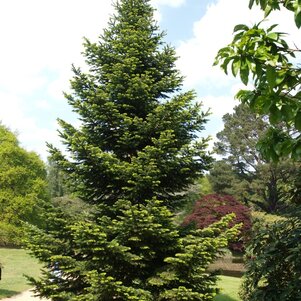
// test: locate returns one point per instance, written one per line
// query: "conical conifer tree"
(135, 151)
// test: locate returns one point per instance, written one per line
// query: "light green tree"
(23, 187)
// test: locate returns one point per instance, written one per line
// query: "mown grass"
(16, 263)
(229, 289)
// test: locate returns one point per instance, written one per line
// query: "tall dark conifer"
(135, 151)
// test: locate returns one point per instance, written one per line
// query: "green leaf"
(280, 77)
(267, 10)
(251, 3)
(298, 121)
(273, 36)
(224, 65)
(271, 76)
(258, 70)
(244, 73)
(275, 115)
(261, 104)
(238, 36)
(244, 96)
(272, 27)
(296, 152)
(251, 65)
(235, 66)
(287, 112)
(286, 147)
(263, 4)
(240, 27)
(298, 19)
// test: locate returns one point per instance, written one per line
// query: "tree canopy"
(244, 172)
(273, 265)
(23, 188)
(264, 56)
(135, 151)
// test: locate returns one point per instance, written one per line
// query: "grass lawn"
(229, 289)
(16, 263)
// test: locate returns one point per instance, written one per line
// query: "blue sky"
(42, 38)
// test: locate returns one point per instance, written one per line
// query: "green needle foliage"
(135, 151)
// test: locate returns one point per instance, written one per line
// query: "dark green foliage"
(133, 155)
(225, 180)
(211, 208)
(71, 205)
(244, 173)
(140, 255)
(57, 180)
(265, 56)
(269, 5)
(134, 135)
(201, 187)
(274, 263)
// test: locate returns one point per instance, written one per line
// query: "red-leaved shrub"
(212, 207)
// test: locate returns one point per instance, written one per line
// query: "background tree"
(135, 151)
(56, 180)
(264, 55)
(212, 207)
(244, 172)
(224, 179)
(23, 187)
(273, 265)
(201, 187)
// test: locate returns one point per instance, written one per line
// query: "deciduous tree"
(23, 187)
(212, 207)
(264, 56)
(244, 172)
(273, 265)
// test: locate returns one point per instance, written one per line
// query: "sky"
(41, 39)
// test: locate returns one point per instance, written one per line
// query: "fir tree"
(135, 151)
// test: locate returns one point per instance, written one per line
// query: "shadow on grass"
(7, 293)
(224, 297)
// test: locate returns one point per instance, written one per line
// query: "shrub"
(10, 235)
(274, 263)
(213, 207)
(262, 220)
(71, 205)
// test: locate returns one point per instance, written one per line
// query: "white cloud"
(39, 42)
(212, 32)
(219, 105)
(173, 3)
(43, 104)
(11, 110)
(42, 35)
(13, 116)
(41, 39)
